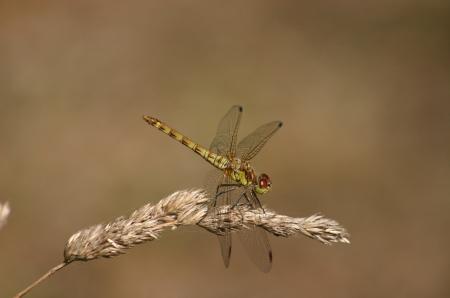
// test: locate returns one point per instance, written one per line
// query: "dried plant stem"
(190, 207)
(241, 217)
(42, 278)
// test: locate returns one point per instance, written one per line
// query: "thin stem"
(42, 278)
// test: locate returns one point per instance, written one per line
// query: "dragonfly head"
(264, 184)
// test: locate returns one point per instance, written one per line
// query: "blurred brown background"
(363, 90)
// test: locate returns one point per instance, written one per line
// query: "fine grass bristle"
(4, 213)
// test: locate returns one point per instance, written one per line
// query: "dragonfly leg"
(259, 203)
(240, 198)
(226, 185)
(218, 194)
(237, 202)
(249, 201)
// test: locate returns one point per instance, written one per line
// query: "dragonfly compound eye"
(264, 181)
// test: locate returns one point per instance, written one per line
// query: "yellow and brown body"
(238, 171)
(220, 162)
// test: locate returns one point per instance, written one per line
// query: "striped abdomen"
(218, 161)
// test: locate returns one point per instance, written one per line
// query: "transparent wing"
(226, 192)
(213, 178)
(255, 240)
(257, 245)
(226, 136)
(225, 248)
(253, 143)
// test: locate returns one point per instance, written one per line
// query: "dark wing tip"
(226, 260)
(239, 107)
(267, 267)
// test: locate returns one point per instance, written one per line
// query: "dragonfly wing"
(226, 192)
(254, 142)
(226, 136)
(255, 240)
(257, 245)
(225, 248)
(213, 178)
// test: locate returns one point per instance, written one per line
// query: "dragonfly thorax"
(245, 175)
(236, 164)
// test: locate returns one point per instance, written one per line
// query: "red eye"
(264, 181)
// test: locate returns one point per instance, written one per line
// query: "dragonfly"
(234, 178)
